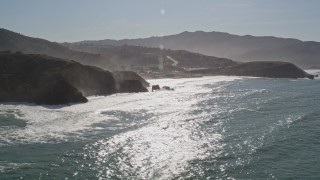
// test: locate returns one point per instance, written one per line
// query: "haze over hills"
(305, 54)
(11, 41)
(149, 62)
(114, 58)
(144, 56)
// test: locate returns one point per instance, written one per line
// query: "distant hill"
(137, 56)
(163, 62)
(240, 48)
(11, 41)
(270, 69)
(184, 63)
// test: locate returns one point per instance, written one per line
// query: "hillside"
(142, 59)
(11, 41)
(179, 62)
(242, 48)
(269, 69)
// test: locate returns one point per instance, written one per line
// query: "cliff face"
(43, 90)
(48, 80)
(89, 80)
(58, 91)
(128, 81)
(43, 79)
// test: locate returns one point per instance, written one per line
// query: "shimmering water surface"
(211, 127)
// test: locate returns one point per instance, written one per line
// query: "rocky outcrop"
(155, 87)
(89, 80)
(260, 69)
(131, 86)
(43, 79)
(44, 90)
(168, 88)
(57, 92)
(129, 81)
(47, 80)
(129, 75)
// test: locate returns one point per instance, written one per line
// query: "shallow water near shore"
(209, 127)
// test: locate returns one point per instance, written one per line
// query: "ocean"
(207, 128)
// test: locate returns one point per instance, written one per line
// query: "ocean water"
(208, 128)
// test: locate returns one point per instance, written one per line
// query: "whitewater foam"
(58, 123)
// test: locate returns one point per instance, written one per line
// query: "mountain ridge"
(13, 41)
(244, 48)
(198, 31)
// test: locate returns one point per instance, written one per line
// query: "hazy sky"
(74, 20)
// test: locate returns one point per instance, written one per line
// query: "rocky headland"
(44, 79)
(270, 69)
(129, 81)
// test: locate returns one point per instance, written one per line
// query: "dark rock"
(125, 79)
(89, 80)
(129, 75)
(44, 90)
(5, 52)
(47, 80)
(59, 92)
(131, 86)
(167, 88)
(155, 87)
(311, 76)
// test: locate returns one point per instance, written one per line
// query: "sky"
(76, 20)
